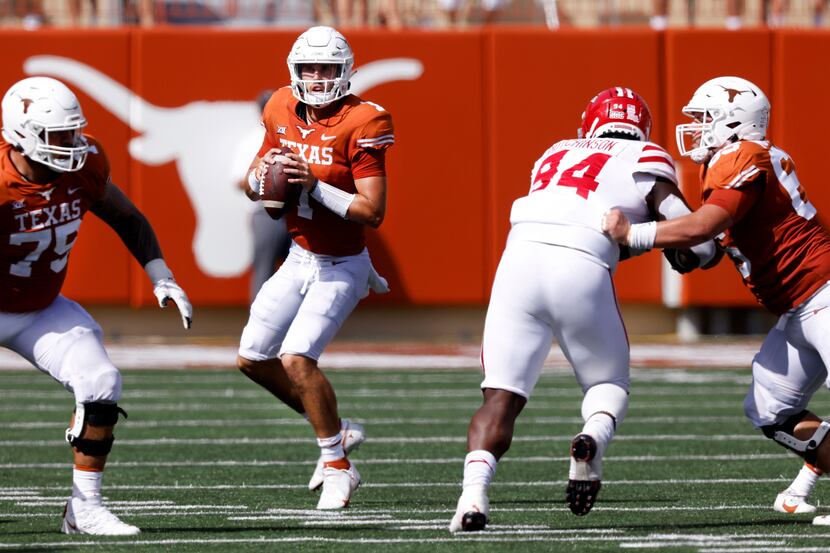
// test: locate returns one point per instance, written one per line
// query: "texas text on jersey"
(781, 251)
(576, 181)
(38, 227)
(345, 147)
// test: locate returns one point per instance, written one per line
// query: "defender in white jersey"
(554, 280)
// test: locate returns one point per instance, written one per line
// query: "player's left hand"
(167, 289)
(616, 225)
(682, 260)
(299, 171)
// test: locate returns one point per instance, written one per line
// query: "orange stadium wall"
(472, 112)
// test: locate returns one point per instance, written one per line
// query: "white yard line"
(241, 441)
(177, 356)
(297, 421)
(766, 543)
(467, 407)
(410, 461)
(415, 393)
(453, 484)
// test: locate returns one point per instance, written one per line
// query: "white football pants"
(64, 341)
(792, 363)
(542, 291)
(303, 305)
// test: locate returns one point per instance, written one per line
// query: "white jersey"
(576, 181)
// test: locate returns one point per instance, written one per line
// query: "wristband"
(158, 270)
(641, 236)
(332, 197)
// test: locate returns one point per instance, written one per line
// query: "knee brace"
(93, 414)
(784, 434)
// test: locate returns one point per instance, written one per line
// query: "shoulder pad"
(376, 131)
(655, 160)
(736, 164)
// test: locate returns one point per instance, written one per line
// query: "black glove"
(682, 260)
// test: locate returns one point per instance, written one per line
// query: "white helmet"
(725, 109)
(321, 45)
(33, 108)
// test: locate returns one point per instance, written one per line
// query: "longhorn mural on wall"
(212, 144)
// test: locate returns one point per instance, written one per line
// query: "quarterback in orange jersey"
(751, 195)
(50, 176)
(337, 165)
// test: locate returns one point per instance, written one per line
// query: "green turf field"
(209, 462)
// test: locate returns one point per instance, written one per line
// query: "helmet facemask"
(698, 140)
(332, 89)
(59, 158)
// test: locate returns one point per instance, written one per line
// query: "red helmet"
(616, 110)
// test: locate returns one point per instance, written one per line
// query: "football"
(276, 193)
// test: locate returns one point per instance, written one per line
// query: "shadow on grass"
(664, 527)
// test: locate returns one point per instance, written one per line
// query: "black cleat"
(473, 521)
(581, 493)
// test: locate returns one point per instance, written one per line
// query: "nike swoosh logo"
(789, 508)
(73, 190)
(324, 136)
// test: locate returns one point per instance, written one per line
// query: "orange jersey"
(345, 147)
(776, 243)
(38, 227)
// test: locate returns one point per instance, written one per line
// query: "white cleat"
(794, 504)
(473, 511)
(338, 486)
(353, 435)
(82, 517)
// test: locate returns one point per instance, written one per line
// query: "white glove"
(165, 288)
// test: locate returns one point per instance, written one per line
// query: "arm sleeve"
(737, 201)
(116, 210)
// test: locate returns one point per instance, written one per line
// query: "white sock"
(331, 449)
(86, 484)
(479, 468)
(806, 480)
(600, 426)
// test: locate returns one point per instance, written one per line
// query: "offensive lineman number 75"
(64, 240)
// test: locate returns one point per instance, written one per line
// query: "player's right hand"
(267, 159)
(616, 225)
